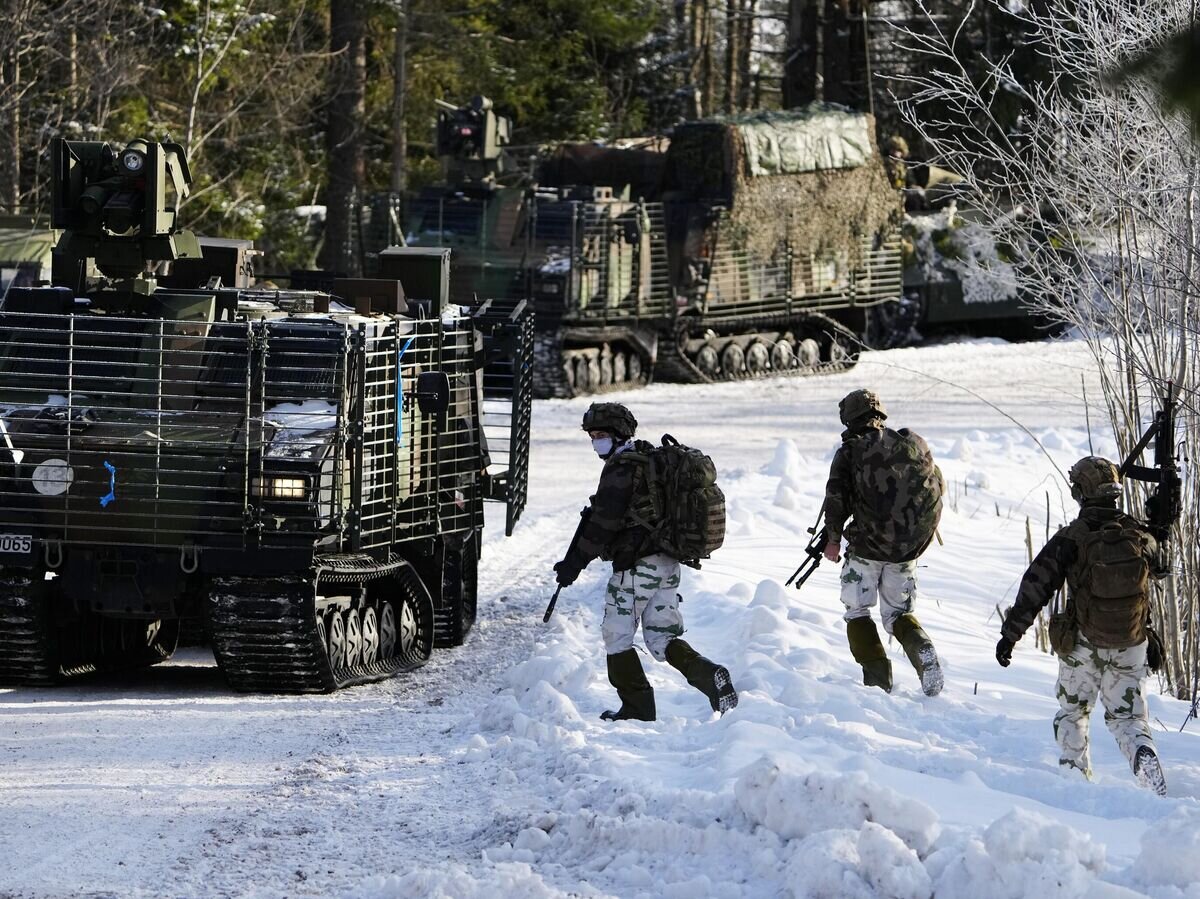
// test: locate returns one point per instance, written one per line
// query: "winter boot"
(1068, 765)
(1148, 771)
(868, 651)
(920, 651)
(709, 678)
(637, 696)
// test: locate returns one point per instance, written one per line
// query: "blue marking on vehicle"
(400, 392)
(112, 485)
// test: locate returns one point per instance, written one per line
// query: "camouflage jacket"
(889, 522)
(610, 532)
(1052, 567)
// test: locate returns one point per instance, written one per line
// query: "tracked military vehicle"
(741, 248)
(302, 472)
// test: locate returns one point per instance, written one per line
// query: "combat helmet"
(859, 406)
(611, 417)
(1094, 477)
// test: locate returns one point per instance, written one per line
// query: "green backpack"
(898, 487)
(677, 499)
(1110, 587)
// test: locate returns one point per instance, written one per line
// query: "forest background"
(288, 105)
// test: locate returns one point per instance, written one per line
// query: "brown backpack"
(1110, 587)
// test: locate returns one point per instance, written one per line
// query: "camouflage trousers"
(892, 584)
(644, 594)
(1115, 675)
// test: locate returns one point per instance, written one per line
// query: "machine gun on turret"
(470, 140)
(118, 209)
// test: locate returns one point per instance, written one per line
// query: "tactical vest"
(1110, 583)
(897, 493)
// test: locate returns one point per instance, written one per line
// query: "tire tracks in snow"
(384, 789)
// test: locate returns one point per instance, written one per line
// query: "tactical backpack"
(897, 485)
(1110, 587)
(677, 499)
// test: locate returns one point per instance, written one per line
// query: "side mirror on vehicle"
(433, 392)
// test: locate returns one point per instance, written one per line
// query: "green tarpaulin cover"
(812, 139)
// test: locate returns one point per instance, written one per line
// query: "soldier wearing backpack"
(1102, 638)
(623, 526)
(886, 484)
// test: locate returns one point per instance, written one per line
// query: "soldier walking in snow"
(1106, 559)
(642, 589)
(886, 484)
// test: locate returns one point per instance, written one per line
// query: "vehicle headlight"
(132, 161)
(287, 488)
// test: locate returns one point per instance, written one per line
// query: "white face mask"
(603, 446)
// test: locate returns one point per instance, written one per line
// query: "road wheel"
(758, 359)
(708, 360)
(809, 354)
(337, 641)
(783, 357)
(370, 636)
(619, 368)
(606, 371)
(387, 631)
(634, 367)
(353, 638)
(733, 361)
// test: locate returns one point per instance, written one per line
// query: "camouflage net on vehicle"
(823, 210)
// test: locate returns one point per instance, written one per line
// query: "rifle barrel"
(553, 603)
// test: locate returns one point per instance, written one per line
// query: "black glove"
(1156, 654)
(1004, 652)
(565, 573)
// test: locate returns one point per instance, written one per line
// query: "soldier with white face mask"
(644, 583)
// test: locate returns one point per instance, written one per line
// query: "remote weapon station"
(303, 473)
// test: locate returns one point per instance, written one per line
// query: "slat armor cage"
(282, 432)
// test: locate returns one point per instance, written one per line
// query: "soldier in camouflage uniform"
(886, 484)
(644, 583)
(1105, 558)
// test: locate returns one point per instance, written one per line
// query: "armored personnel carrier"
(740, 248)
(302, 472)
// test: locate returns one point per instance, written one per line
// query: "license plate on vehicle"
(21, 544)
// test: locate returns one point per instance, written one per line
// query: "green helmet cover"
(860, 405)
(1094, 477)
(611, 417)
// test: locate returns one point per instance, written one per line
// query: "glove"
(565, 573)
(1004, 652)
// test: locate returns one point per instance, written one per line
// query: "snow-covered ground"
(489, 774)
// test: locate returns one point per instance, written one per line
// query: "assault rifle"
(583, 520)
(815, 551)
(1164, 504)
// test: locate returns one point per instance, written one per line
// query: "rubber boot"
(919, 649)
(868, 651)
(709, 678)
(637, 696)
(1148, 771)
